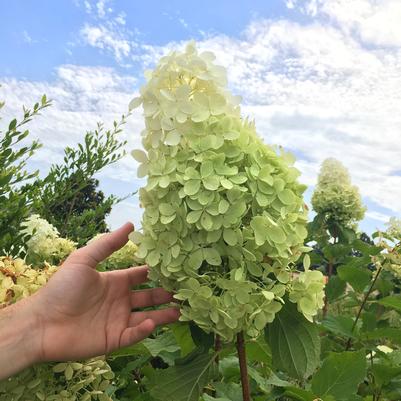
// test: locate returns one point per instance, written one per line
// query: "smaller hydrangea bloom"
(335, 197)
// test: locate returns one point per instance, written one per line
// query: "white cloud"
(384, 218)
(375, 22)
(102, 8)
(82, 96)
(104, 38)
(27, 38)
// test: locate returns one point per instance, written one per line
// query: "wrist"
(20, 337)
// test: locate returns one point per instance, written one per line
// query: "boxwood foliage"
(224, 217)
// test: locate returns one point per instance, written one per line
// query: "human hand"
(81, 312)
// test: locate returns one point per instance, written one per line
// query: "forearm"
(19, 338)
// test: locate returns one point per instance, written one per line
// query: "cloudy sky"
(321, 78)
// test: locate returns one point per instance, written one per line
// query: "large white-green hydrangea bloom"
(45, 243)
(224, 217)
(335, 197)
(67, 381)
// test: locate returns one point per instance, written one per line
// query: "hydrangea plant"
(67, 381)
(390, 242)
(122, 258)
(224, 219)
(335, 197)
(45, 243)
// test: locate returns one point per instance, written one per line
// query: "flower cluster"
(45, 244)
(335, 197)
(394, 229)
(308, 292)
(224, 217)
(122, 258)
(18, 280)
(69, 381)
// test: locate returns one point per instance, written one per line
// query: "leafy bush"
(68, 197)
(15, 197)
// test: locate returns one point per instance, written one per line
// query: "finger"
(153, 296)
(159, 317)
(101, 248)
(137, 275)
(132, 335)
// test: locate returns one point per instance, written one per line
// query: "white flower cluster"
(45, 243)
(335, 197)
(308, 292)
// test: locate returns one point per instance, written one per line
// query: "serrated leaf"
(340, 375)
(357, 277)
(183, 382)
(340, 325)
(392, 302)
(295, 343)
(334, 288)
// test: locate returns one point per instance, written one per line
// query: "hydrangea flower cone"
(224, 218)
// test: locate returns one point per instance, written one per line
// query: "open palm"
(82, 312)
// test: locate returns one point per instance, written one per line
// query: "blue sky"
(321, 78)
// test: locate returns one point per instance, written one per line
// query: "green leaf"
(207, 397)
(340, 375)
(200, 337)
(385, 373)
(357, 277)
(299, 394)
(334, 288)
(385, 332)
(258, 351)
(295, 342)
(184, 382)
(183, 337)
(164, 346)
(392, 302)
(133, 350)
(340, 325)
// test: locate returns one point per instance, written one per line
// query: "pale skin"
(81, 312)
